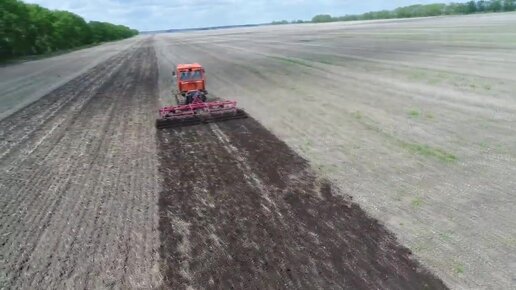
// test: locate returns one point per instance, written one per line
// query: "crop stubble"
(79, 183)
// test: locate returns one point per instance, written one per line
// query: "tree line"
(287, 22)
(436, 9)
(29, 29)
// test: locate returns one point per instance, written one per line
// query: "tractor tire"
(189, 99)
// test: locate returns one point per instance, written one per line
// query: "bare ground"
(24, 83)
(79, 182)
(414, 119)
(240, 210)
(237, 208)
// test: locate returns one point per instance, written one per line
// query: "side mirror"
(174, 73)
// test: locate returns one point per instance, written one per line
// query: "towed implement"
(193, 107)
(197, 113)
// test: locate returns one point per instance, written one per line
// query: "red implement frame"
(188, 111)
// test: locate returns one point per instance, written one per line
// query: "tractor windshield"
(191, 75)
(185, 76)
(196, 76)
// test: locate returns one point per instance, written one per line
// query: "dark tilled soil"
(240, 210)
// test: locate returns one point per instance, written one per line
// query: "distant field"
(356, 125)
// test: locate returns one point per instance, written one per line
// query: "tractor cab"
(190, 77)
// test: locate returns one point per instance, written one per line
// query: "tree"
(31, 29)
(14, 24)
(418, 10)
(496, 6)
(41, 29)
(103, 31)
(482, 6)
(509, 5)
(472, 7)
(70, 30)
(280, 22)
(322, 18)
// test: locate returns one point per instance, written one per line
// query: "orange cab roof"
(188, 65)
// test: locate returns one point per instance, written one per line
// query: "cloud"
(163, 14)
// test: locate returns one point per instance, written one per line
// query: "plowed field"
(240, 210)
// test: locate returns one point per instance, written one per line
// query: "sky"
(149, 15)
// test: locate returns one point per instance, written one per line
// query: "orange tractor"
(193, 106)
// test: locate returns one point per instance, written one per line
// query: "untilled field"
(410, 120)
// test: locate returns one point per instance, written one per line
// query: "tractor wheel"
(188, 99)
